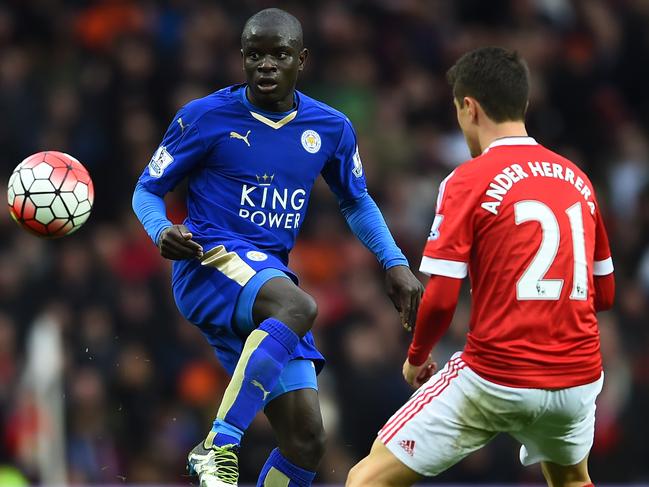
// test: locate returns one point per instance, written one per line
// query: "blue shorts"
(217, 294)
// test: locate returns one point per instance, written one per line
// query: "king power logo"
(266, 205)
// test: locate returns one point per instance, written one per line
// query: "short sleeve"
(180, 151)
(603, 263)
(343, 172)
(449, 243)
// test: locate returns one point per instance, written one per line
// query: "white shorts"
(457, 412)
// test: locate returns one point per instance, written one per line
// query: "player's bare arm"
(176, 244)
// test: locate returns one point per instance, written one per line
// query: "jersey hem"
(539, 380)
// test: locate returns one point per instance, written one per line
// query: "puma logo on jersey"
(182, 126)
(259, 386)
(234, 135)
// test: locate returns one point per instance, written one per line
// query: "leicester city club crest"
(311, 141)
(256, 255)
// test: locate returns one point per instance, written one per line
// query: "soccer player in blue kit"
(251, 154)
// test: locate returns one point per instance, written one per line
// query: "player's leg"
(445, 420)
(381, 469)
(263, 355)
(285, 314)
(206, 295)
(566, 476)
(561, 437)
(297, 423)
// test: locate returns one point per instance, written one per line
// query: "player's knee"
(309, 309)
(299, 312)
(283, 300)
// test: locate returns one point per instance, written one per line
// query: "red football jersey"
(525, 224)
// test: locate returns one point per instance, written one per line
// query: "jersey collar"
(514, 140)
(275, 120)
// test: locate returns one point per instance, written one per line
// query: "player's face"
(272, 61)
(466, 119)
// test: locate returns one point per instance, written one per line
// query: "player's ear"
(243, 64)
(471, 106)
(301, 59)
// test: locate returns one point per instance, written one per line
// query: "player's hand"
(405, 290)
(176, 244)
(417, 375)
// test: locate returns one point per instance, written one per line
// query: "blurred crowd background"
(102, 80)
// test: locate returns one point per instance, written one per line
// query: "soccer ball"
(50, 194)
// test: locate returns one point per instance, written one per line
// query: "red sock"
(589, 485)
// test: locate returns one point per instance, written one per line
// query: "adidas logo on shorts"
(408, 446)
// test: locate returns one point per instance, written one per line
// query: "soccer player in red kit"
(524, 223)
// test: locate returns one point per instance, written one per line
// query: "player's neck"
(279, 106)
(500, 130)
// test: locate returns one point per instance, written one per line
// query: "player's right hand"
(418, 375)
(406, 291)
(176, 244)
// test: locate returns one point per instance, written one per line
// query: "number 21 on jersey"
(532, 285)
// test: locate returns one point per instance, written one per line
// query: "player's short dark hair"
(275, 17)
(497, 78)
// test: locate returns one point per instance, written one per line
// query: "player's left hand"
(418, 375)
(405, 290)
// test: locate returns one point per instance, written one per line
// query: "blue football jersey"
(250, 172)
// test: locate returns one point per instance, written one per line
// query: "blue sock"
(223, 434)
(264, 356)
(278, 470)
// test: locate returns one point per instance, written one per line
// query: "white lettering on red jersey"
(524, 223)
